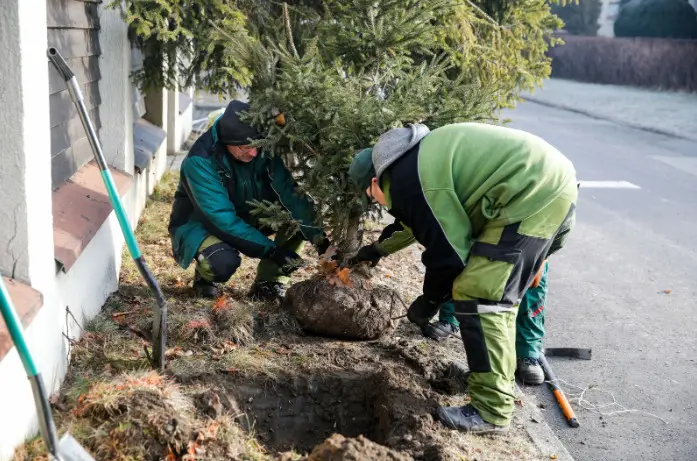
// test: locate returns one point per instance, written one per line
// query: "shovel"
(160, 312)
(67, 449)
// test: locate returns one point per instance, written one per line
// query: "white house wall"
(45, 340)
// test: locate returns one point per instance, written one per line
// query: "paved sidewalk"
(659, 111)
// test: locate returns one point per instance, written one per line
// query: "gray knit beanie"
(395, 143)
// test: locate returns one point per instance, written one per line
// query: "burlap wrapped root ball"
(338, 311)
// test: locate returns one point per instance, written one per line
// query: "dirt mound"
(339, 448)
(360, 312)
(144, 407)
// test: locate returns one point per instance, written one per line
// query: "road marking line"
(608, 185)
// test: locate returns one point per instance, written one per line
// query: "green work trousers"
(530, 321)
(503, 263)
(216, 260)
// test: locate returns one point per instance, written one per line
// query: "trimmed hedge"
(656, 18)
(648, 62)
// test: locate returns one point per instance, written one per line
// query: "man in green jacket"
(489, 204)
(212, 220)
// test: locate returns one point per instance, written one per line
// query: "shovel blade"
(70, 450)
(571, 352)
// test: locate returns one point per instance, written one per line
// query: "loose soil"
(246, 381)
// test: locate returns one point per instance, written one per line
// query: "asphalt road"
(626, 286)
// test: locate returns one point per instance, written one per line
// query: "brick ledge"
(80, 207)
(27, 302)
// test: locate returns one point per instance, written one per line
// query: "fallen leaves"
(283, 350)
(116, 316)
(341, 277)
(223, 348)
(177, 352)
(212, 429)
(327, 266)
(221, 304)
(198, 324)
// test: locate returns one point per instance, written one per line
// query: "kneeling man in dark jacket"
(211, 221)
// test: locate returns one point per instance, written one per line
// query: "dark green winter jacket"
(213, 199)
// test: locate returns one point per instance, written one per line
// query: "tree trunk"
(353, 233)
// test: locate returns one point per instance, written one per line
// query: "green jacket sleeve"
(300, 207)
(394, 237)
(210, 199)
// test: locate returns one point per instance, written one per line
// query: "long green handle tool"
(160, 313)
(67, 449)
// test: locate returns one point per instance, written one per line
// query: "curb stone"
(542, 436)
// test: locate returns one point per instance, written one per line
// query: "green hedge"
(647, 62)
(656, 18)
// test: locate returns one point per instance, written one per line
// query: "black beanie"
(232, 131)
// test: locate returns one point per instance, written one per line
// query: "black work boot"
(440, 330)
(422, 311)
(204, 288)
(267, 291)
(467, 419)
(530, 371)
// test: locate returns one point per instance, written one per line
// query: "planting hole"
(298, 412)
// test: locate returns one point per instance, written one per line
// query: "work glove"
(369, 253)
(289, 261)
(323, 246)
(422, 310)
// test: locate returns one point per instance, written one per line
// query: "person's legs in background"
(446, 325)
(530, 330)
(270, 282)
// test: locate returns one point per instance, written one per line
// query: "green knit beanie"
(362, 170)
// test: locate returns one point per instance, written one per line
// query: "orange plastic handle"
(538, 277)
(566, 408)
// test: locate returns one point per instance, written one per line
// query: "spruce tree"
(344, 72)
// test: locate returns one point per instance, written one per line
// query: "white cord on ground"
(579, 397)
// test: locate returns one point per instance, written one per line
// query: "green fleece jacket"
(459, 178)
